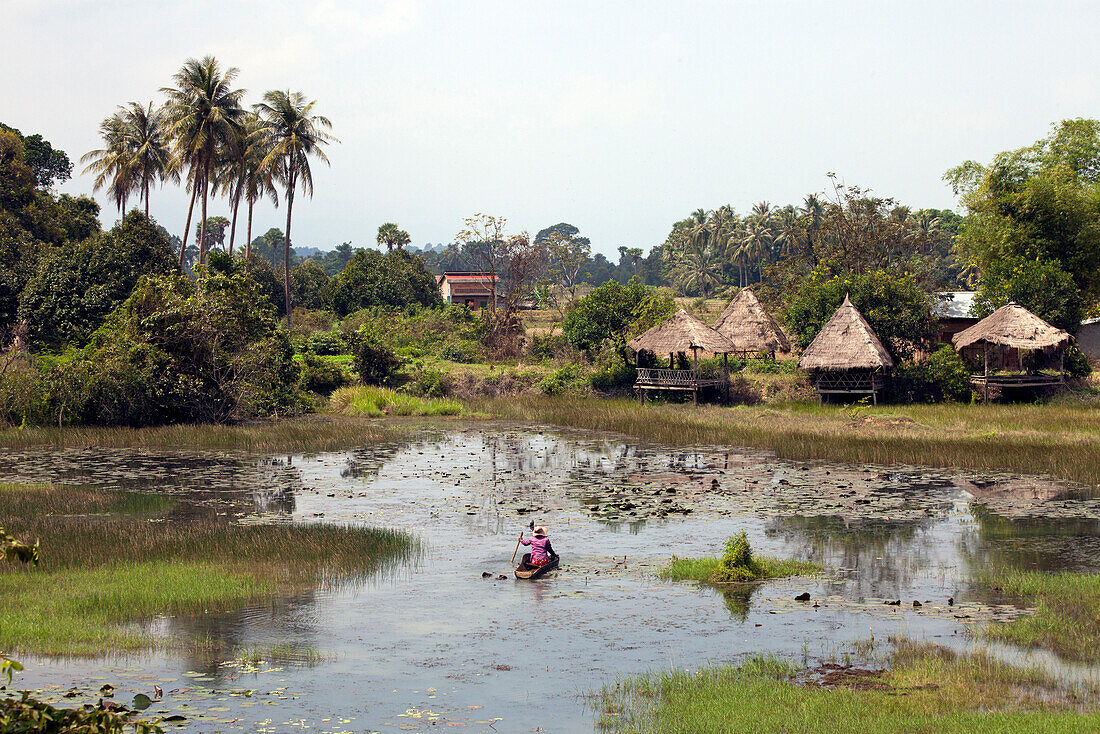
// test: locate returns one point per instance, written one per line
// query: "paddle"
(532, 526)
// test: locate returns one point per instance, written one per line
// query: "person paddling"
(541, 550)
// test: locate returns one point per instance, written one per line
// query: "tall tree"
(202, 111)
(147, 144)
(391, 236)
(294, 134)
(112, 164)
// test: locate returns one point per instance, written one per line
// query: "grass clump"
(374, 402)
(925, 689)
(737, 564)
(99, 573)
(1066, 620)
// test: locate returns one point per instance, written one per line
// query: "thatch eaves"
(750, 327)
(846, 342)
(682, 332)
(1013, 326)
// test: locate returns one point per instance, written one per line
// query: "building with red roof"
(471, 289)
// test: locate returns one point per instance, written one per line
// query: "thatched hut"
(1006, 336)
(751, 329)
(846, 357)
(679, 334)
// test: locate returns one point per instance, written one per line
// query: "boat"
(526, 571)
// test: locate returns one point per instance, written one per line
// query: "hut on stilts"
(751, 329)
(680, 334)
(1020, 345)
(846, 357)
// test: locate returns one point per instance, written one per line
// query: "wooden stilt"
(985, 383)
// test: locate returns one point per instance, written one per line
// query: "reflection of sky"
(501, 644)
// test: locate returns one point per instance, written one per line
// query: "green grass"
(1067, 612)
(378, 401)
(1062, 440)
(703, 569)
(926, 689)
(299, 434)
(99, 572)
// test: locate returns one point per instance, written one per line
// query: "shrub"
(326, 343)
(549, 346)
(375, 362)
(617, 376)
(1077, 363)
(615, 312)
(568, 379)
(455, 351)
(426, 382)
(321, 375)
(942, 376)
(737, 563)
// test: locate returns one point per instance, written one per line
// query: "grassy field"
(1062, 440)
(112, 558)
(1067, 612)
(925, 689)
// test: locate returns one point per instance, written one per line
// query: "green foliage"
(1040, 286)
(309, 286)
(326, 343)
(261, 272)
(78, 284)
(397, 278)
(737, 563)
(27, 714)
(897, 308)
(570, 379)
(416, 332)
(48, 165)
(942, 376)
(615, 313)
(547, 346)
(379, 401)
(612, 377)
(177, 351)
(321, 375)
(376, 363)
(1077, 363)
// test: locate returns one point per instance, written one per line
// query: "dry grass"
(1061, 440)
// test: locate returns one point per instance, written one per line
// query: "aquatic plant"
(378, 401)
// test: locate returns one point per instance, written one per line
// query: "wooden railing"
(673, 379)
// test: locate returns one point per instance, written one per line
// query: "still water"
(437, 644)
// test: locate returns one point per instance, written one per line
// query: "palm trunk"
(233, 226)
(146, 198)
(202, 224)
(248, 242)
(187, 227)
(286, 250)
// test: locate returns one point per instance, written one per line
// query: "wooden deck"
(657, 379)
(849, 383)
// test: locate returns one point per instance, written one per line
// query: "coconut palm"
(293, 134)
(391, 236)
(202, 112)
(112, 164)
(147, 143)
(238, 175)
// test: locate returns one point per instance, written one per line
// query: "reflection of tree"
(1033, 543)
(737, 598)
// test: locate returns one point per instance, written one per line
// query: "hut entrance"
(680, 334)
(1019, 351)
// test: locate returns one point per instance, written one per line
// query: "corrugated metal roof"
(954, 304)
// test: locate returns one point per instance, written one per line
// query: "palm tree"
(294, 134)
(112, 164)
(150, 159)
(391, 236)
(238, 174)
(202, 112)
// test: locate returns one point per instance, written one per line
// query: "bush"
(737, 563)
(613, 377)
(321, 375)
(567, 380)
(615, 312)
(326, 343)
(545, 346)
(942, 376)
(396, 279)
(1077, 363)
(426, 382)
(375, 362)
(458, 352)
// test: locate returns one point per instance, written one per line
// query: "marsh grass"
(26, 500)
(1061, 440)
(704, 570)
(292, 435)
(280, 653)
(363, 400)
(100, 572)
(925, 689)
(1067, 612)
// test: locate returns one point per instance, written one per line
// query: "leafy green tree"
(897, 308)
(293, 134)
(310, 284)
(614, 313)
(203, 111)
(1041, 202)
(396, 279)
(48, 165)
(1041, 287)
(391, 237)
(78, 284)
(211, 233)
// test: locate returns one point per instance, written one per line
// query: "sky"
(618, 117)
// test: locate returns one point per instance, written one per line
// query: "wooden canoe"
(526, 571)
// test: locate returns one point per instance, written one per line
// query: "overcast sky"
(617, 117)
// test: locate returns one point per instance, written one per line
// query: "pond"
(446, 642)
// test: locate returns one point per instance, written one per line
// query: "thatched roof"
(682, 332)
(750, 327)
(846, 342)
(1013, 326)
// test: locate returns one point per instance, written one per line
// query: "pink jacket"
(540, 548)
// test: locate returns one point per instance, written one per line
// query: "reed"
(1060, 440)
(1065, 619)
(925, 689)
(292, 435)
(375, 402)
(703, 570)
(100, 572)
